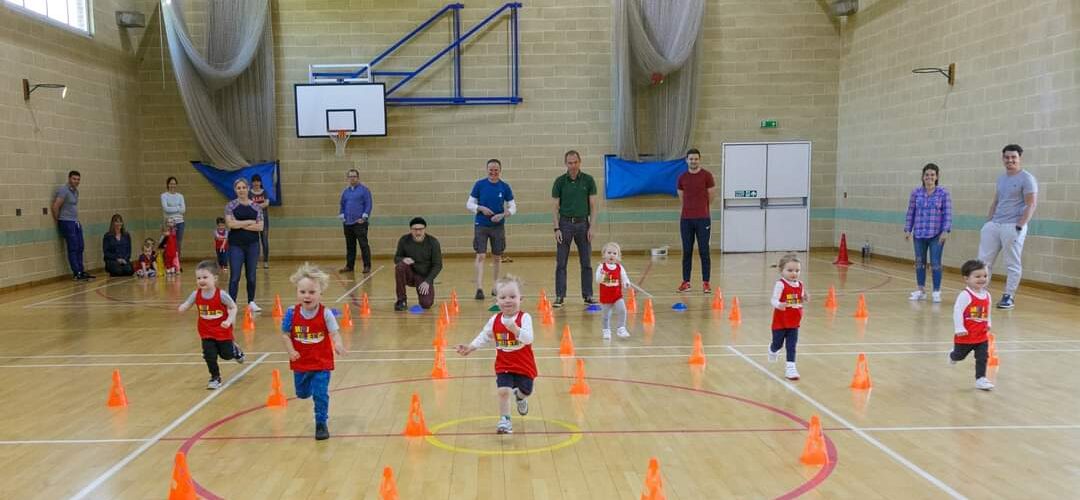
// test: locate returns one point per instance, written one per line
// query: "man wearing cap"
(418, 260)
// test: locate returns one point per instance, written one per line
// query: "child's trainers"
(936, 297)
(706, 287)
(622, 332)
(949, 355)
(684, 287)
(791, 373)
(522, 403)
(504, 427)
(238, 353)
(321, 432)
(984, 384)
(917, 295)
(605, 334)
(214, 384)
(773, 356)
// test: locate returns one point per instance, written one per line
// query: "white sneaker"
(504, 427)
(606, 334)
(917, 295)
(523, 406)
(936, 297)
(984, 384)
(773, 356)
(215, 384)
(791, 373)
(622, 332)
(254, 307)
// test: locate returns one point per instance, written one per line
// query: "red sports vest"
(212, 312)
(520, 361)
(312, 340)
(611, 284)
(792, 316)
(976, 320)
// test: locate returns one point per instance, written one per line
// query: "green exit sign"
(769, 124)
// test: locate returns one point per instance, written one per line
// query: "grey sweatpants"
(605, 311)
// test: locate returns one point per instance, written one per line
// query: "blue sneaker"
(1006, 302)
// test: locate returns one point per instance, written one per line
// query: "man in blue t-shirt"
(492, 201)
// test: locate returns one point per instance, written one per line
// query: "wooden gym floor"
(733, 429)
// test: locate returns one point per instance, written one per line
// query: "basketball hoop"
(340, 137)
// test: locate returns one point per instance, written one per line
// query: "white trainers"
(523, 406)
(606, 334)
(791, 373)
(622, 332)
(254, 307)
(917, 295)
(949, 355)
(215, 384)
(984, 384)
(504, 427)
(936, 297)
(773, 356)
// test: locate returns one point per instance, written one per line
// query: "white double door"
(766, 197)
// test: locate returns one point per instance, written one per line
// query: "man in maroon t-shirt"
(696, 189)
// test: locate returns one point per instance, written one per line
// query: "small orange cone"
(992, 355)
(182, 487)
(346, 316)
(440, 338)
(117, 395)
(543, 304)
(548, 318)
(648, 318)
(718, 301)
(455, 308)
(249, 320)
(278, 311)
(860, 309)
(841, 256)
(830, 300)
(697, 358)
(861, 380)
(566, 346)
(814, 450)
(631, 301)
(438, 369)
(736, 314)
(365, 306)
(388, 488)
(580, 387)
(416, 427)
(654, 483)
(276, 399)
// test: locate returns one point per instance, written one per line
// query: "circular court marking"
(575, 436)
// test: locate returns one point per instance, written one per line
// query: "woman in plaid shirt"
(929, 220)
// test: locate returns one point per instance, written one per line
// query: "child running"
(612, 277)
(515, 367)
(788, 297)
(971, 321)
(217, 314)
(310, 334)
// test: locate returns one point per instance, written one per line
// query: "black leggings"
(960, 351)
(211, 349)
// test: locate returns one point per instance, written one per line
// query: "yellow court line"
(575, 436)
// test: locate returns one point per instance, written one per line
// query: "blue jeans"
(315, 385)
(248, 257)
(691, 229)
(935, 246)
(73, 237)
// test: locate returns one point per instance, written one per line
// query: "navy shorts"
(514, 381)
(497, 236)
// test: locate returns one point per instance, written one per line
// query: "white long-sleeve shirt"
(172, 204)
(962, 301)
(599, 276)
(778, 289)
(473, 205)
(487, 334)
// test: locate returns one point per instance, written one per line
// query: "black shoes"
(558, 303)
(479, 294)
(400, 305)
(590, 301)
(321, 432)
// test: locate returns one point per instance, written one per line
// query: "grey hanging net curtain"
(655, 55)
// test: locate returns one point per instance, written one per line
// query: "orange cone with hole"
(736, 314)
(182, 487)
(276, 399)
(117, 395)
(860, 310)
(548, 317)
(648, 318)
(455, 308)
(830, 299)
(416, 427)
(718, 301)
(654, 483)
(631, 301)
(542, 305)
(566, 346)
(861, 380)
(346, 316)
(697, 358)
(278, 311)
(365, 306)
(388, 488)
(580, 387)
(249, 320)
(438, 369)
(814, 451)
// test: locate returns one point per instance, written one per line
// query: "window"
(74, 14)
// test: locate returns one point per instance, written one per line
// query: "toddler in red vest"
(217, 315)
(788, 297)
(971, 321)
(612, 277)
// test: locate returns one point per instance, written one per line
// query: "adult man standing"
(492, 201)
(354, 215)
(573, 198)
(418, 260)
(1006, 225)
(65, 212)
(696, 189)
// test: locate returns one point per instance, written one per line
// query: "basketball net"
(340, 137)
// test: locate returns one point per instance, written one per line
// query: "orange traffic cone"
(276, 399)
(814, 451)
(446, 313)
(388, 488)
(346, 316)
(543, 304)
(117, 395)
(249, 320)
(580, 387)
(440, 338)
(842, 257)
(860, 309)
(993, 357)
(182, 487)
(830, 299)
(278, 311)
(861, 380)
(438, 369)
(548, 318)
(698, 356)
(654, 483)
(631, 301)
(736, 313)
(365, 306)
(455, 308)
(416, 427)
(566, 346)
(648, 318)
(718, 301)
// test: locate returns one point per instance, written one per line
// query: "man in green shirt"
(418, 260)
(573, 199)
